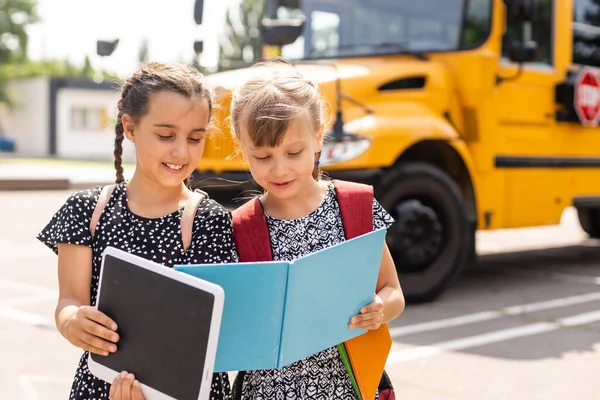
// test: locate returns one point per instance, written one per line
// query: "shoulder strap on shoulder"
(102, 200)
(188, 216)
(356, 207)
(251, 233)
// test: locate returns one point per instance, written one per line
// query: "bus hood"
(359, 77)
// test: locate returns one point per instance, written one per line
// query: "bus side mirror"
(198, 11)
(519, 52)
(281, 32)
(521, 11)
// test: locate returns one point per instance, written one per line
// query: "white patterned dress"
(156, 239)
(321, 376)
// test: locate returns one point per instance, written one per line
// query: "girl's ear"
(128, 126)
(319, 138)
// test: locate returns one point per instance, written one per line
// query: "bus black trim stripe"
(546, 162)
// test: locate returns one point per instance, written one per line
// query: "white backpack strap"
(188, 216)
(102, 200)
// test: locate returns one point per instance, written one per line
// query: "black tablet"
(168, 323)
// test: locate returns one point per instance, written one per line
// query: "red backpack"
(251, 235)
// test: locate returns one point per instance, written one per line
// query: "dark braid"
(119, 131)
(151, 78)
(119, 152)
(188, 181)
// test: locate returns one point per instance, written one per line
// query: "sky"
(70, 29)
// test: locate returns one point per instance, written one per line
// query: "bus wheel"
(430, 239)
(589, 218)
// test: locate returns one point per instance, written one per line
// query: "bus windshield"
(353, 28)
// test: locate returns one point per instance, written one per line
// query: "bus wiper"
(397, 46)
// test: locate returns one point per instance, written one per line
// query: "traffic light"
(198, 11)
(198, 46)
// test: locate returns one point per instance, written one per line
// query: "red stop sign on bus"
(587, 97)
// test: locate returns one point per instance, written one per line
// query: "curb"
(45, 184)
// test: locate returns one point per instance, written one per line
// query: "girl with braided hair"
(164, 111)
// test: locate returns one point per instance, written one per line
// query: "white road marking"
(580, 319)
(489, 315)
(559, 276)
(11, 251)
(26, 300)
(26, 317)
(27, 383)
(26, 287)
(28, 387)
(421, 352)
(35, 294)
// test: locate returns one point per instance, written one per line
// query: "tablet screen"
(163, 324)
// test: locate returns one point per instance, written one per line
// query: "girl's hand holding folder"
(389, 300)
(370, 317)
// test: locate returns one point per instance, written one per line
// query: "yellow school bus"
(464, 115)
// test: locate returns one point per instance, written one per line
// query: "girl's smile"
(175, 168)
(282, 185)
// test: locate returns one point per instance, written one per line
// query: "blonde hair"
(266, 106)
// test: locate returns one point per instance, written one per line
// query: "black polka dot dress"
(156, 239)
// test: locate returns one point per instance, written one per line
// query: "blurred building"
(63, 117)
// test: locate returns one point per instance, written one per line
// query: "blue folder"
(277, 313)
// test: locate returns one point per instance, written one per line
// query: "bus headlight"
(336, 151)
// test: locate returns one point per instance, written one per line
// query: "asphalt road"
(524, 324)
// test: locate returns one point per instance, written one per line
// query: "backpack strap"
(189, 215)
(187, 218)
(356, 207)
(102, 201)
(251, 233)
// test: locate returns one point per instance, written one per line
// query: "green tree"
(143, 52)
(196, 64)
(50, 68)
(241, 43)
(15, 16)
(87, 71)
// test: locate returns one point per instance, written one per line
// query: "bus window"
(586, 33)
(325, 26)
(477, 25)
(540, 31)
